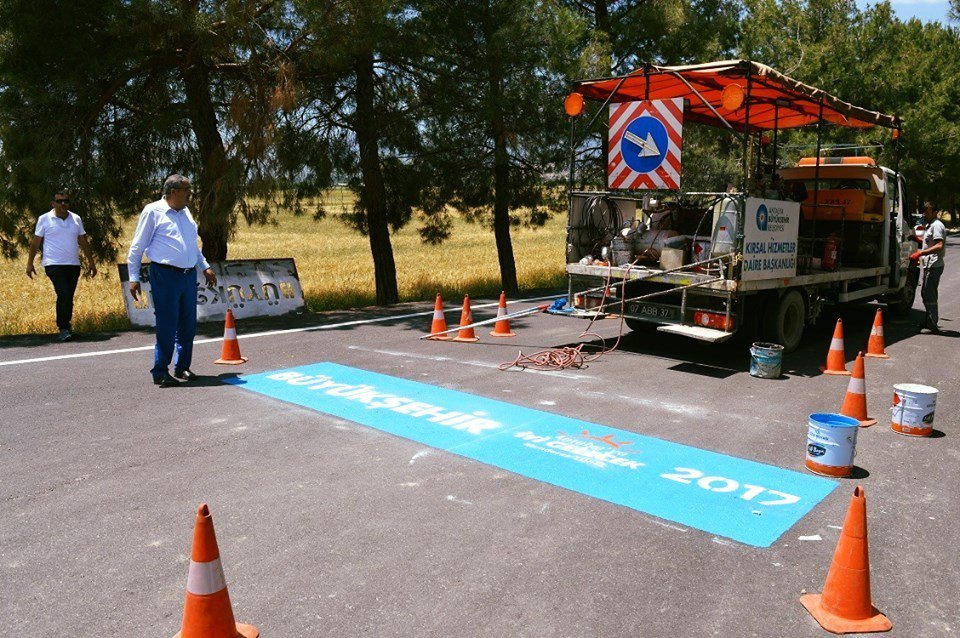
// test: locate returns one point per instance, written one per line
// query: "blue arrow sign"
(645, 144)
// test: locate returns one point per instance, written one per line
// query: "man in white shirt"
(931, 257)
(60, 232)
(167, 233)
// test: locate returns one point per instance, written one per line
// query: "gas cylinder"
(723, 239)
(831, 252)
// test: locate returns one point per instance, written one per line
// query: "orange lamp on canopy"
(573, 105)
(732, 97)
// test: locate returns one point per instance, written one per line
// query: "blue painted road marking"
(743, 500)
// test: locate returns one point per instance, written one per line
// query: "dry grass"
(334, 262)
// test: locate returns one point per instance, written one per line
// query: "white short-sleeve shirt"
(935, 232)
(60, 247)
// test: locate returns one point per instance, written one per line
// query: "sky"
(925, 10)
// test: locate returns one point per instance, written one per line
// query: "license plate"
(654, 311)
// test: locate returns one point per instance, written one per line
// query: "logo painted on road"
(743, 500)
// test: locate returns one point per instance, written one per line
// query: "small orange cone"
(230, 353)
(875, 346)
(466, 318)
(836, 356)
(845, 607)
(502, 327)
(439, 322)
(207, 612)
(855, 402)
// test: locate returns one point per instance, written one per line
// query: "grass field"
(334, 262)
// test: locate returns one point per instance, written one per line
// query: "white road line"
(269, 333)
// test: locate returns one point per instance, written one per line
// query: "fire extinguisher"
(831, 252)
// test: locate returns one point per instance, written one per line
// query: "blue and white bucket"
(766, 360)
(831, 444)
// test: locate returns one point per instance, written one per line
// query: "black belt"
(169, 267)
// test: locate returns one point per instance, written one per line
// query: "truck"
(761, 258)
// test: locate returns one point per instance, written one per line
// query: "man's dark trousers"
(929, 295)
(174, 292)
(64, 280)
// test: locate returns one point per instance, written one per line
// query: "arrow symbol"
(648, 148)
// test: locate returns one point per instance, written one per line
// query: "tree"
(872, 59)
(359, 89)
(111, 95)
(625, 34)
(495, 123)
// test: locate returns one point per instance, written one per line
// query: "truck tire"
(900, 308)
(784, 320)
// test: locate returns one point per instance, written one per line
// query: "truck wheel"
(901, 307)
(785, 319)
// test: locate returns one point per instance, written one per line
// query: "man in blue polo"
(167, 233)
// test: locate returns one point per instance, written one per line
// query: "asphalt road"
(330, 528)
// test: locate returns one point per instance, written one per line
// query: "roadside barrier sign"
(248, 287)
(739, 499)
(646, 139)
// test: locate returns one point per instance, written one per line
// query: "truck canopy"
(773, 100)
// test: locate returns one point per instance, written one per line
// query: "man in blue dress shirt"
(167, 233)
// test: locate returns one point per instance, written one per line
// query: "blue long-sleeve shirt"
(167, 236)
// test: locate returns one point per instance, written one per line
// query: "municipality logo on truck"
(762, 217)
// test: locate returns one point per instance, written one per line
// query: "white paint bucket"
(913, 408)
(831, 444)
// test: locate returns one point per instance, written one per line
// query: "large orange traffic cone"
(502, 327)
(466, 318)
(845, 607)
(230, 353)
(836, 356)
(855, 402)
(207, 612)
(875, 345)
(439, 323)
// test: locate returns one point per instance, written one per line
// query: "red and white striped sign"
(646, 138)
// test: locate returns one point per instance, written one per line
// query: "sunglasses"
(62, 201)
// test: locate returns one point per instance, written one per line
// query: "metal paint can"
(914, 406)
(766, 360)
(831, 444)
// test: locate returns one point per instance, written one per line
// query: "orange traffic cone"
(207, 612)
(466, 318)
(855, 402)
(502, 327)
(230, 353)
(845, 607)
(875, 346)
(836, 356)
(439, 322)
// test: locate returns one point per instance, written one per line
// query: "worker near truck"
(930, 256)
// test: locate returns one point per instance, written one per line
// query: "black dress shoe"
(166, 381)
(186, 375)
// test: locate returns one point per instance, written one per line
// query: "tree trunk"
(501, 181)
(602, 22)
(218, 183)
(373, 192)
